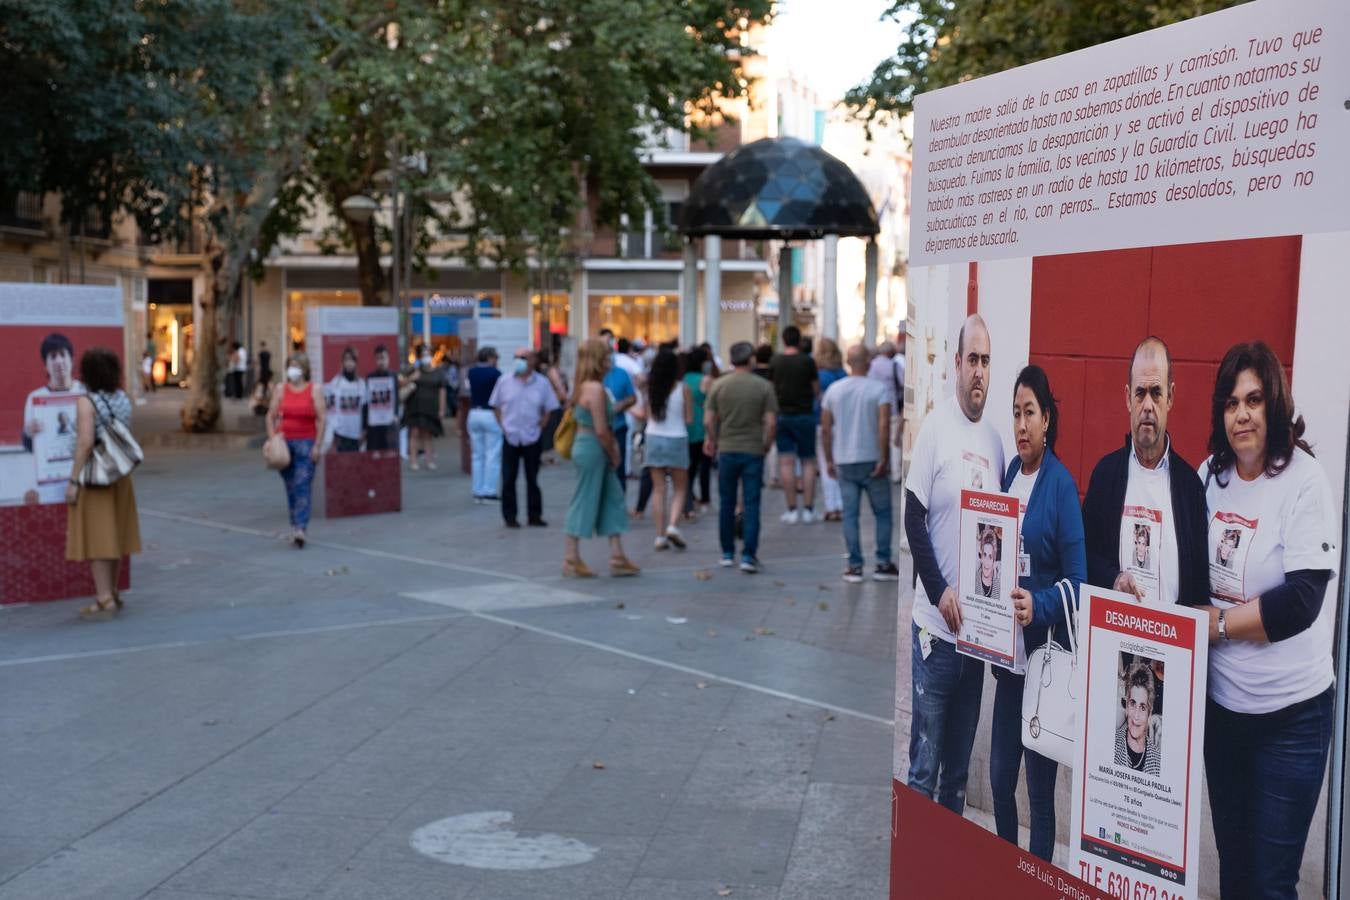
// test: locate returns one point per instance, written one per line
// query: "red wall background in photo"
(24, 368)
(1090, 310)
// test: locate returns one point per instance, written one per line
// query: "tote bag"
(115, 453)
(1049, 701)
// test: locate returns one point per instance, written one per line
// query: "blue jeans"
(946, 702)
(485, 439)
(1005, 759)
(747, 471)
(299, 480)
(1265, 774)
(854, 478)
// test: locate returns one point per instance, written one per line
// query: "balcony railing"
(24, 212)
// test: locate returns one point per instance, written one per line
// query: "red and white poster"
(1181, 183)
(1137, 786)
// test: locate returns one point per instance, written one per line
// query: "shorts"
(797, 435)
(666, 452)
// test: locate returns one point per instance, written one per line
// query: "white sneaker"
(790, 517)
(661, 544)
(808, 517)
(676, 537)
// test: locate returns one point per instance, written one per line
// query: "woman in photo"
(1141, 545)
(1134, 744)
(1227, 545)
(1052, 543)
(986, 574)
(670, 408)
(830, 366)
(102, 526)
(597, 501)
(298, 414)
(1268, 719)
(423, 411)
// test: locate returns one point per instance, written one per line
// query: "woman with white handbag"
(1051, 565)
(102, 526)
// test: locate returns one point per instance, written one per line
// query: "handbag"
(276, 454)
(115, 453)
(566, 434)
(1049, 694)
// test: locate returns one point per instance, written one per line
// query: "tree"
(947, 41)
(514, 105)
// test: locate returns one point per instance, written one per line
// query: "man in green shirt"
(740, 420)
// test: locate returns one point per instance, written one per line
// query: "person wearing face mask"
(1270, 711)
(346, 396)
(424, 411)
(381, 411)
(485, 434)
(1049, 555)
(298, 414)
(522, 404)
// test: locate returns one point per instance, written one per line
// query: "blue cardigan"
(1052, 533)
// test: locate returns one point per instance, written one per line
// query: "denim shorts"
(797, 434)
(666, 453)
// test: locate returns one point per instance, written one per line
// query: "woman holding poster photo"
(1269, 716)
(1052, 551)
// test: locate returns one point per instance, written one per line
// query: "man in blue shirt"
(485, 434)
(624, 395)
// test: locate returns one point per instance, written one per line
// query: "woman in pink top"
(297, 413)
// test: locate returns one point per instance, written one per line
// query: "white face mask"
(425, 361)
(520, 366)
(294, 373)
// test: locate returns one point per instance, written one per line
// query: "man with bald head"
(1144, 514)
(956, 450)
(855, 420)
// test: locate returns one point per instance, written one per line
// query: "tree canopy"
(948, 41)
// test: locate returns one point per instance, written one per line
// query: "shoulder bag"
(566, 434)
(276, 454)
(115, 453)
(1049, 701)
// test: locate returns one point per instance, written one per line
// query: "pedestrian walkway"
(418, 705)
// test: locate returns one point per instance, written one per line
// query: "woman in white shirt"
(1269, 715)
(669, 406)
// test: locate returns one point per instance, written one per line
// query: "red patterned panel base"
(359, 484)
(33, 564)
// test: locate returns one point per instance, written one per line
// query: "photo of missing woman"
(1141, 530)
(989, 541)
(1139, 721)
(1227, 548)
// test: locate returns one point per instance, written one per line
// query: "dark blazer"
(1101, 523)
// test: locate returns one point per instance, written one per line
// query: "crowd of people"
(1249, 538)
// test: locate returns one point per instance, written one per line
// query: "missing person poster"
(988, 574)
(1136, 791)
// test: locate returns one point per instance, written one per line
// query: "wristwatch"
(1223, 627)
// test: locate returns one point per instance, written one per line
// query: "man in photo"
(986, 574)
(58, 358)
(1134, 744)
(1141, 546)
(1147, 473)
(1228, 545)
(382, 393)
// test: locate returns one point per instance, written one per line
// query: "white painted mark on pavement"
(485, 840)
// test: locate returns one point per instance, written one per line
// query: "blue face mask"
(520, 366)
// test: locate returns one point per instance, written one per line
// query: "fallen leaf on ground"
(712, 632)
(764, 631)
(701, 685)
(789, 601)
(829, 717)
(597, 765)
(676, 620)
(703, 574)
(619, 605)
(778, 584)
(822, 606)
(823, 587)
(724, 892)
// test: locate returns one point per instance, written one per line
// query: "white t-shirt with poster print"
(1258, 531)
(951, 454)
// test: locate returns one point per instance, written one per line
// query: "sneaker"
(853, 575)
(808, 516)
(886, 572)
(728, 560)
(661, 544)
(749, 565)
(790, 517)
(676, 538)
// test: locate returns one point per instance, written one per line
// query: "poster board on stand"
(44, 329)
(364, 481)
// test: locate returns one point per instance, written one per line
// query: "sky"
(833, 44)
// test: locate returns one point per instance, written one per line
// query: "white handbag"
(115, 453)
(1049, 700)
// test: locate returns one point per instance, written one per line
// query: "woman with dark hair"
(1050, 557)
(698, 378)
(101, 522)
(424, 410)
(830, 365)
(1268, 719)
(670, 407)
(298, 413)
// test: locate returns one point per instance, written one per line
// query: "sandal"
(100, 609)
(575, 568)
(622, 567)
(117, 600)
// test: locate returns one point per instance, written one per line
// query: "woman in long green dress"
(597, 506)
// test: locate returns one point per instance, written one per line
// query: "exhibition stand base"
(33, 565)
(359, 484)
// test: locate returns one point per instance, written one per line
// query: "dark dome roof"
(779, 188)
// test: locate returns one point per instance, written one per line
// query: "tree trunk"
(369, 273)
(201, 412)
